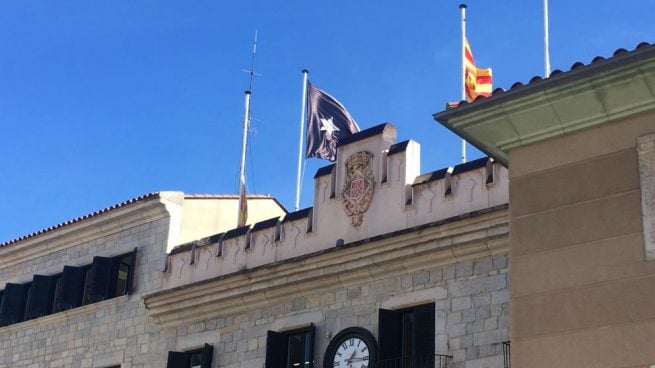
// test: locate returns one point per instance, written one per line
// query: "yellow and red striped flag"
(477, 81)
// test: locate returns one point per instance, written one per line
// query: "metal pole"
(305, 72)
(242, 214)
(242, 171)
(546, 47)
(462, 8)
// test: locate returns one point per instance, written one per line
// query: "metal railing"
(436, 361)
(506, 356)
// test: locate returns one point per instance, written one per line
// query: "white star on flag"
(327, 125)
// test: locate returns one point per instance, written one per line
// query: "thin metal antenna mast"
(252, 65)
(243, 201)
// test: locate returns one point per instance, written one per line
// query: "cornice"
(61, 316)
(102, 225)
(364, 261)
(556, 107)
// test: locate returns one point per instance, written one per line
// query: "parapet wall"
(375, 177)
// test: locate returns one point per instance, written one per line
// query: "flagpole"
(242, 172)
(546, 46)
(242, 216)
(462, 8)
(305, 72)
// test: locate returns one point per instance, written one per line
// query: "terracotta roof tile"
(80, 218)
(123, 204)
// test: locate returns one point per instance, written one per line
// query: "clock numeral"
(336, 364)
(338, 353)
(359, 342)
(365, 348)
(365, 358)
(344, 346)
(351, 342)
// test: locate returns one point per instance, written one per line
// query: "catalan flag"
(477, 81)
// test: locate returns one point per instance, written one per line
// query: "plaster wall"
(202, 217)
(582, 289)
(397, 205)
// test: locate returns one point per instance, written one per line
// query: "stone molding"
(105, 224)
(646, 155)
(556, 106)
(469, 191)
(54, 318)
(478, 235)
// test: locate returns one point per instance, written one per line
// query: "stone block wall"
(471, 315)
(112, 332)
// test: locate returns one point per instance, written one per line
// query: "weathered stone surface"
(646, 154)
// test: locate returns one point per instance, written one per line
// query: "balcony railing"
(438, 361)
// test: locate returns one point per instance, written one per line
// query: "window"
(107, 277)
(292, 349)
(406, 337)
(40, 296)
(110, 277)
(12, 309)
(57, 297)
(200, 358)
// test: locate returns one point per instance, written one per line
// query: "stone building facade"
(423, 253)
(582, 221)
(435, 242)
(58, 314)
(389, 267)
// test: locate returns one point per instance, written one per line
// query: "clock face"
(353, 352)
(354, 347)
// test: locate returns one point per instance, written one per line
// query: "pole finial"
(462, 6)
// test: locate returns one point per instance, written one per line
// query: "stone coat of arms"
(358, 187)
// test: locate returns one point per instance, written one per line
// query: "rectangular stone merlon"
(403, 166)
(374, 140)
(324, 185)
(646, 154)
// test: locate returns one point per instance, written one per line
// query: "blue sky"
(102, 102)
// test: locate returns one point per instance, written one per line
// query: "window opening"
(290, 349)
(70, 289)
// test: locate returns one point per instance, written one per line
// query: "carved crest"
(358, 187)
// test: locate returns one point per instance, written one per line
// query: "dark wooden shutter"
(277, 349)
(12, 309)
(103, 278)
(177, 360)
(424, 335)
(72, 287)
(129, 288)
(312, 332)
(41, 296)
(207, 355)
(390, 334)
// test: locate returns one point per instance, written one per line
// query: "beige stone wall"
(203, 217)
(582, 291)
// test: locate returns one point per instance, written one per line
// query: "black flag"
(327, 123)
